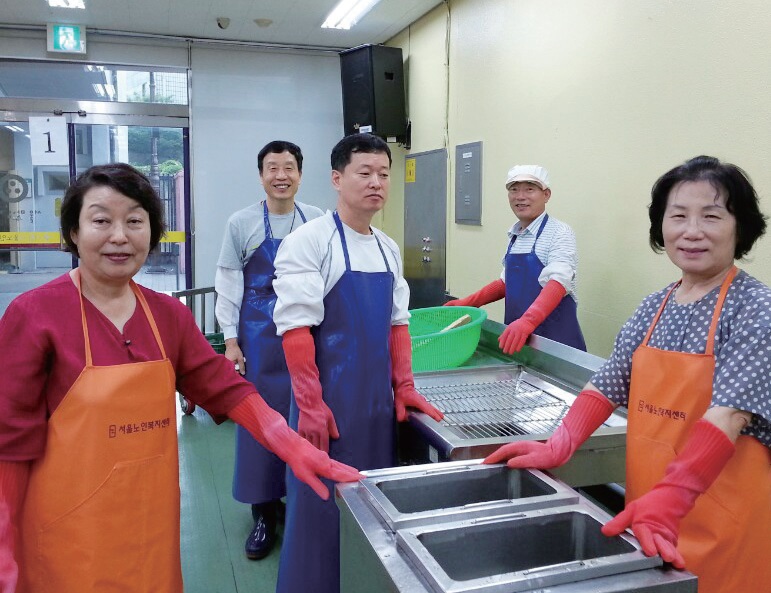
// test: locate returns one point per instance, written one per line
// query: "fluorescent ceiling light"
(347, 13)
(66, 4)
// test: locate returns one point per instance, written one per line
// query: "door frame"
(161, 115)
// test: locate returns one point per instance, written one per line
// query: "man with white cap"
(539, 268)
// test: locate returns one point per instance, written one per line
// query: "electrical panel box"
(468, 183)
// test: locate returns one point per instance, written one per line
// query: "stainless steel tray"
(505, 403)
(440, 492)
(486, 407)
(523, 551)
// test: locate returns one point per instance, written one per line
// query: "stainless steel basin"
(418, 495)
(522, 551)
(408, 529)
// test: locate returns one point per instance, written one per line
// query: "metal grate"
(496, 408)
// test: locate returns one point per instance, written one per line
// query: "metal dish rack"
(488, 406)
(492, 409)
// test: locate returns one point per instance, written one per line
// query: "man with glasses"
(539, 268)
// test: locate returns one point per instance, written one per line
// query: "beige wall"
(425, 73)
(606, 95)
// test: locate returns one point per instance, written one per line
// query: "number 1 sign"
(48, 140)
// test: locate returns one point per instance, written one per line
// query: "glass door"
(30, 198)
(59, 118)
(159, 152)
(31, 195)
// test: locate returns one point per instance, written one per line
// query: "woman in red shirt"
(88, 411)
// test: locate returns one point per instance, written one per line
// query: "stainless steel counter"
(459, 527)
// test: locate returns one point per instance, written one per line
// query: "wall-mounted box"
(468, 183)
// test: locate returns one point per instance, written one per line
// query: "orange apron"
(726, 538)
(102, 506)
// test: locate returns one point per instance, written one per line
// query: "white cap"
(529, 173)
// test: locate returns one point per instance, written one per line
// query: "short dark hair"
(341, 153)
(740, 197)
(279, 146)
(124, 179)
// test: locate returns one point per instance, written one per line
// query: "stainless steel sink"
(461, 490)
(463, 527)
(521, 551)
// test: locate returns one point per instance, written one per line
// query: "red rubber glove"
(270, 429)
(490, 293)
(587, 413)
(516, 334)
(14, 476)
(316, 422)
(403, 382)
(655, 516)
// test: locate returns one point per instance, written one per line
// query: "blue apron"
(355, 372)
(522, 288)
(258, 475)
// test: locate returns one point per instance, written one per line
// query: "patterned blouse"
(742, 347)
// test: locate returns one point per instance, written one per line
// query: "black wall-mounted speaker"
(373, 91)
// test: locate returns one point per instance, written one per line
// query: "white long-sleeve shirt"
(245, 232)
(310, 261)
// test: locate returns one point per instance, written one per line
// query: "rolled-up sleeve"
(229, 285)
(563, 259)
(299, 284)
(400, 314)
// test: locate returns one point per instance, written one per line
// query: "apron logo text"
(134, 428)
(659, 411)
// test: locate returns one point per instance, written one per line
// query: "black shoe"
(263, 536)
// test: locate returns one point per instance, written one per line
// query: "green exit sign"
(66, 38)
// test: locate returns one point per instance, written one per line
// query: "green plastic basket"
(433, 350)
(217, 342)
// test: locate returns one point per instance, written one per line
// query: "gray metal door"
(425, 223)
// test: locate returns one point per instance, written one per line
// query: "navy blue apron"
(522, 288)
(355, 372)
(258, 475)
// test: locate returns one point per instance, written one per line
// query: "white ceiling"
(295, 22)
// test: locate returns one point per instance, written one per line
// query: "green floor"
(214, 526)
